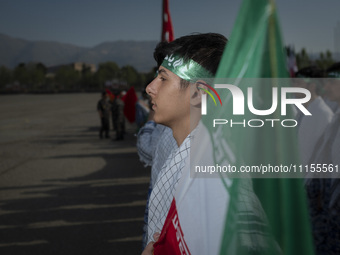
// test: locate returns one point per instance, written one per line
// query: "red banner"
(171, 240)
(167, 30)
(130, 100)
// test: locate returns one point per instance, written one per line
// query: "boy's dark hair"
(205, 49)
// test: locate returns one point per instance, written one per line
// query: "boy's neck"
(183, 128)
(180, 134)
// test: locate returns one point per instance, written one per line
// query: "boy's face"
(170, 103)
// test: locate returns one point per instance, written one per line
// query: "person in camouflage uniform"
(118, 118)
(103, 108)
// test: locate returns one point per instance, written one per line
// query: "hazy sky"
(304, 23)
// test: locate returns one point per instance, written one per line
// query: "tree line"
(35, 77)
(324, 60)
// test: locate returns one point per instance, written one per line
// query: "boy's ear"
(197, 93)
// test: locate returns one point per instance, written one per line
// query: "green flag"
(254, 56)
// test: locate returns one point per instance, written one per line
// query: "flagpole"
(167, 29)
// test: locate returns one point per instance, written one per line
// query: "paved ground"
(62, 189)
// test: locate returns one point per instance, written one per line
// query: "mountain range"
(138, 54)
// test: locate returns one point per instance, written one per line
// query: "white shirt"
(312, 127)
(336, 143)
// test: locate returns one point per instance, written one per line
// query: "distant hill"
(138, 54)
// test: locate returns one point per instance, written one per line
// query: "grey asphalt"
(62, 189)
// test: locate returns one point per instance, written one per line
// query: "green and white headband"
(187, 70)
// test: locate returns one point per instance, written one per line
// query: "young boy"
(176, 100)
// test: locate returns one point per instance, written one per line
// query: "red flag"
(111, 96)
(167, 30)
(171, 240)
(130, 100)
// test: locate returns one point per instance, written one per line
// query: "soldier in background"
(118, 115)
(103, 108)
